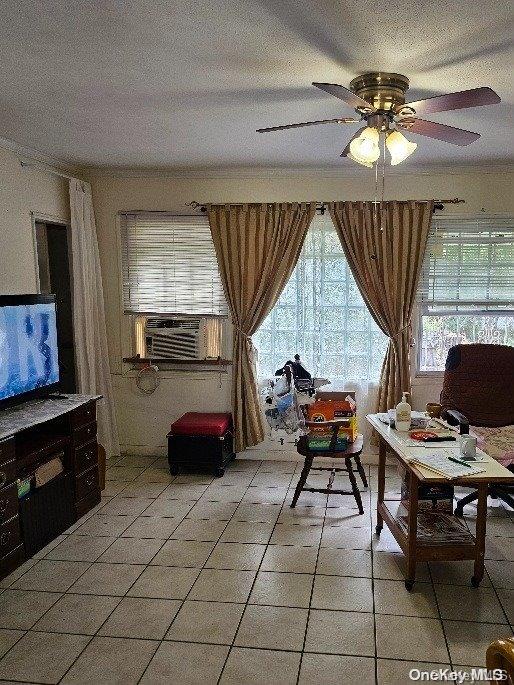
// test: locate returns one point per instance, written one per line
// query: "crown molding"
(27, 153)
(289, 172)
(353, 171)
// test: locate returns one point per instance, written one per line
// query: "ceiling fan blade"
(344, 94)
(345, 152)
(456, 136)
(476, 97)
(308, 123)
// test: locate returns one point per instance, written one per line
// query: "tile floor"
(195, 580)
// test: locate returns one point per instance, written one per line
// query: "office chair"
(478, 396)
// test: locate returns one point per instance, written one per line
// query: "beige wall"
(23, 191)
(144, 421)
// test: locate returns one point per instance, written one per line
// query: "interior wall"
(144, 420)
(22, 191)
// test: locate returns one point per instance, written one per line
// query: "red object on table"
(422, 435)
(202, 423)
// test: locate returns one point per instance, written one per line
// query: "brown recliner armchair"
(478, 395)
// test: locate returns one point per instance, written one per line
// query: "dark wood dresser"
(33, 436)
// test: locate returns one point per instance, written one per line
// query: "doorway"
(54, 269)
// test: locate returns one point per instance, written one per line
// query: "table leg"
(381, 482)
(303, 478)
(481, 521)
(412, 532)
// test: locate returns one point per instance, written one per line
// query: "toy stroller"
(283, 412)
(303, 380)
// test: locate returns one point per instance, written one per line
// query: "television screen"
(28, 345)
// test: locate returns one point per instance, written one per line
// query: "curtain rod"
(321, 207)
(48, 169)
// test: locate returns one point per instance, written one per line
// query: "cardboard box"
(430, 497)
(337, 410)
(334, 395)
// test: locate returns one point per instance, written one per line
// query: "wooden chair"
(352, 452)
(500, 661)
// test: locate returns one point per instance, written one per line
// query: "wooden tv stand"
(31, 435)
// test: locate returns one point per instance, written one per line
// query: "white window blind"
(469, 264)
(467, 287)
(169, 265)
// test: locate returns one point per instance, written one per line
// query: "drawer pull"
(90, 482)
(4, 538)
(88, 456)
(3, 505)
(3, 478)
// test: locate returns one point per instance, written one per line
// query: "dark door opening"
(55, 277)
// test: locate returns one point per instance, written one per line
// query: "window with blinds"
(169, 266)
(467, 287)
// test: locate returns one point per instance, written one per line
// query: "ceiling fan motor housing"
(382, 90)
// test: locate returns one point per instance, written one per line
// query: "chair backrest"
(479, 382)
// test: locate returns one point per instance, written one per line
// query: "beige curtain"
(91, 351)
(385, 249)
(257, 246)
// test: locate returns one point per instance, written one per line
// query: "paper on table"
(439, 463)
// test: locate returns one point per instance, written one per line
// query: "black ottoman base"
(200, 452)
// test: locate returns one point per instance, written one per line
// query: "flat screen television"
(29, 360)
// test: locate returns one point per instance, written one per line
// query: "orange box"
(337, 410)
(327, 410)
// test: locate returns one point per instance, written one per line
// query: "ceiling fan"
(379, 100)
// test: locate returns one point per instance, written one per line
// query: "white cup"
(468, 446)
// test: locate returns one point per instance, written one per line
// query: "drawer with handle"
(8, 502)
(86, 483)
(84, 434)
(9, 536)
(86, 457)
(6, 450)
(83, 415)
(7, 473)
(12, 560)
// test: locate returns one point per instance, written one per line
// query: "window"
(171, 286)
(467, 287)
(169, 266)
(322, 316)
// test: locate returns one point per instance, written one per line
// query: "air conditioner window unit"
(176, 338)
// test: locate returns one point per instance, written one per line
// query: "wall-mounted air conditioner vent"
(176, 338)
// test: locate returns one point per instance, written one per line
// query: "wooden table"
(396, 443)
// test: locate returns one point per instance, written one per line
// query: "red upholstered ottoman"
(202, 440)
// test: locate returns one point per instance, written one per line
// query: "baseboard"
(144, 450)
(253, 453)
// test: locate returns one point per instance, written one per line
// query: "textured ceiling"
(185, 84)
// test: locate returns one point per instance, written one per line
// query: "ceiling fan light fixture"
(360, 160)
(399, 147)
(365, 148)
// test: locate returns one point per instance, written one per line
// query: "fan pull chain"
(375, 202)
(383, 182)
